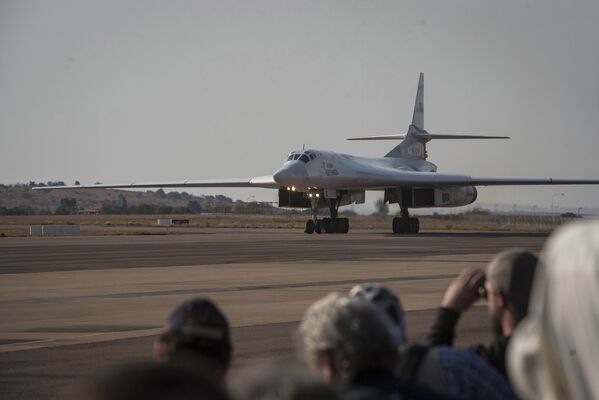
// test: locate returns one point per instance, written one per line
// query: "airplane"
(317, 179)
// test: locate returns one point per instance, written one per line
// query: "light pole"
(552, 199)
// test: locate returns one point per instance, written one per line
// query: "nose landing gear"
(327, 225)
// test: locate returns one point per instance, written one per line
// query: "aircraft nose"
(290, 174)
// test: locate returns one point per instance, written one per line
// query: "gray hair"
(352, 330)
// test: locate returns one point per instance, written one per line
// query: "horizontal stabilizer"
(426, 137)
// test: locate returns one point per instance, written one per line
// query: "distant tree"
(174, 195)
(67, 206)
(382, 208)
(160, 193)
(19, 210)
(569, 215)
(77, 183)
(194, 207)
(122, 202)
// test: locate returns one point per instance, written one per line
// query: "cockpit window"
(306, 156)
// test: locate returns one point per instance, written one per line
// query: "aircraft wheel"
(318, 226)
(343, 225)
(414, 225)
(329, 225)
(309, 226)
(398, 225)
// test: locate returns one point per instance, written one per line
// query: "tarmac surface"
(72, 305)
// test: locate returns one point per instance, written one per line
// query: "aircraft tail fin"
(414, 142)
(418, 116)
(412, 146)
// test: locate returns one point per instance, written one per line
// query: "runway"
(70, 305)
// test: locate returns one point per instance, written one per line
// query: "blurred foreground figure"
(151, 382)
(348, 343)
(506, 284)
(270, 381)
(554, 353)
(458, 373)
(196, 335)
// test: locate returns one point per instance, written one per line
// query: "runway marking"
(177, 292)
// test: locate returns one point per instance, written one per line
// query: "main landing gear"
(327, 225)
(405, 223)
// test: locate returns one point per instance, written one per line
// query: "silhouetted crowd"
(545, 321)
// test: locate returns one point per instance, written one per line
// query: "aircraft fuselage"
(326, 169)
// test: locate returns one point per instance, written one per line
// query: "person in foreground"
(554, 352)
(447, 370)
(196, 335)
(347, 342)
(150, 381)
(506, 284)
(271, 380)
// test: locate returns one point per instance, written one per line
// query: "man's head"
(342, 337)
(508, 284)
(388, 303)
(196, 333)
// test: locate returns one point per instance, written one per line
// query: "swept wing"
(260, 182)
(387, 178)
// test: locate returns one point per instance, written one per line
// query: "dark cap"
(199, 319)
(511, 273)
(387, 302)
(197, 333)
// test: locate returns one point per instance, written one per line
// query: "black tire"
(414, 225)
(398, 225)
(329, 225)
(343, 225)
(309, 226)
(318, 226)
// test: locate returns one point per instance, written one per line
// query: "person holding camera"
(506, 284)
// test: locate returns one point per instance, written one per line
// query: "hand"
(464, 290)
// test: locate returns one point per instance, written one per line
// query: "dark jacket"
(443, 333)
(381, 385)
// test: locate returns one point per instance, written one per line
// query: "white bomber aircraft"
(318, 179)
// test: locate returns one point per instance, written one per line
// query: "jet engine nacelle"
(451, 196)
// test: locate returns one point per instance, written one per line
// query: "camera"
(482, 292)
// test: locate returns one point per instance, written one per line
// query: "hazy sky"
(125, 91)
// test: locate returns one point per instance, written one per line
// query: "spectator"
(347, 342)
(151, 382)
(197, 334)
(554, 352)
(273, 381)
(442, 369)
(507, 287)
(387, 302)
